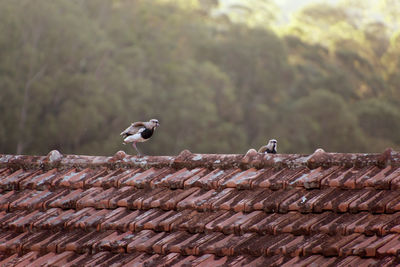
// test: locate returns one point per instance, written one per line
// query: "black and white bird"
(270, 147)
(139, 132)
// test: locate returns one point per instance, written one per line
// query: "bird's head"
(272, 144)
(154, 123)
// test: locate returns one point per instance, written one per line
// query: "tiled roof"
(200, 210)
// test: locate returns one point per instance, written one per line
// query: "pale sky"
(287, 7)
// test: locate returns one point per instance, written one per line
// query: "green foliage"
(327, 112)
(74, 74)
(380, 119)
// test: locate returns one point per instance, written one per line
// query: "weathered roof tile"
(327, 208)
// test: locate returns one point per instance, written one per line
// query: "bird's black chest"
(273, 150)
(147, 133)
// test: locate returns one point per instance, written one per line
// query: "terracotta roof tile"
(203, 210)
(198, 221)
(106, 178)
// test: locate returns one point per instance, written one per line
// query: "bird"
(270, 147)
(139, 132)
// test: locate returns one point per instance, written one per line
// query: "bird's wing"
(134, 128)
(137, 124)
(262, 149)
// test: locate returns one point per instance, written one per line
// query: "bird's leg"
(134, 145)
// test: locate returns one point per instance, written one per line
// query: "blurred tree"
(255, 60)
(380, 119)
(73, 74)
(321, 120)
(46, 70)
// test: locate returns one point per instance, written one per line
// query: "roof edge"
(189, 160)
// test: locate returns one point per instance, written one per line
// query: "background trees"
(220, 79)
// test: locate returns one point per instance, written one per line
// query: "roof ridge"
(189, 160)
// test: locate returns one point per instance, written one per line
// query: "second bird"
(139, 132)
(270, 147)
